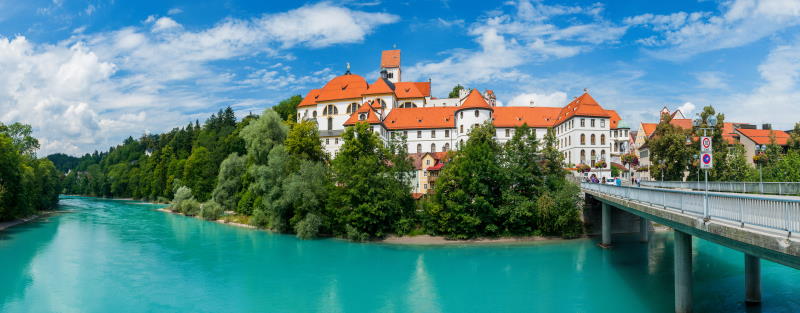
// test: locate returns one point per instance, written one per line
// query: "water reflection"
(422, 295)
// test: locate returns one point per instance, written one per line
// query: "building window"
(446, 133)
(583, 123)
(330, 123)
(327, 141)
(330, 110)
(426, 185)
(427, 162)
(419, 134)
(336, 140)
(508, 132)
(476, 113)
(405, 134)
(593, 157)
(603, 139)
(446, 147)
(433, 133)
(408, 105)
(351, 108)
(591, 141)
(433, 147)
(569, 140)
(314, 114)
(461, 115)
(583, 139)
(461, 128)
(602, 123)
(419, 148)
(583, 156)
(602, 154)
(592, 122)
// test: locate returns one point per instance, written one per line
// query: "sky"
(88, 74)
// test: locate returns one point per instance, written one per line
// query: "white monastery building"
(586, 132)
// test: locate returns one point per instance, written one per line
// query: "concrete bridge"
(761, 227)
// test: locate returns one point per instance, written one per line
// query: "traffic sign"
(706, 161)
(705, 144)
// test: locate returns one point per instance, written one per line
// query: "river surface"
(121, 256)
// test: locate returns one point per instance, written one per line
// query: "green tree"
(199, 173)
(287, 109)
(261, 135)
(227, 191)
(455, 92)
(21, 138)
(520, 158)
(10, 178)
(369, 197)
(303, 141)
(469, 188)
(669, 153)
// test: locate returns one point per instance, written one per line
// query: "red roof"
(417, 195)
(436, 167)
(390, 58)
(347, 86)
(420, 118)
(310, 99)
(532, 116)
(614, 120)
(584, 105)
(475, 100)
(649, 128)
(684, 123)
(380, 86)
(365, 108)
(762, 136)
(410, 90)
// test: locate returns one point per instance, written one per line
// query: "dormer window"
(362, 116)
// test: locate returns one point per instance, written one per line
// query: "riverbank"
(428, 240)
(221, 221)
(9, 224)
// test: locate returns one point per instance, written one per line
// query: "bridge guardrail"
(773, 213)
(775, 188)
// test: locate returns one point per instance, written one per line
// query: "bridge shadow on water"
(718, 275)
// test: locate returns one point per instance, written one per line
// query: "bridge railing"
(775, 188)
(764, 211)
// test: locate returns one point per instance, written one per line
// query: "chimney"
(766, 126)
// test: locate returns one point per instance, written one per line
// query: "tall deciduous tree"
(669, 152)
(287, 109)
(261, 135)
(227, 191)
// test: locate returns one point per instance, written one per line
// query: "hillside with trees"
(27, 184)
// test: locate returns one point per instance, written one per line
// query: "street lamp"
(711, 121)
(762, 149)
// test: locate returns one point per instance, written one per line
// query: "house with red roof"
(756, 140)
(587, 133)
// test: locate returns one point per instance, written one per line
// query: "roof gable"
(420, 118)
(475, 100)
(380, 86)
(390, 58)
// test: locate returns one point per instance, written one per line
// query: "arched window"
(461, 128)
(594, 157)
(330, 123)
(419, 148)
(476, 113)
(330, 110)
(314, 114)
(569, 140)
(583, 139)
(592, 140)
(362, 116)
(583, 156)
(446, 147)
(602, 154)
(602, 139)
(433, 147)
(351, 108)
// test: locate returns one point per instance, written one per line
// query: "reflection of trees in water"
(19, 247)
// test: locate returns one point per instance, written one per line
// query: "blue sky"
(87, 74)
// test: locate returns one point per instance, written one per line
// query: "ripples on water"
(119, 256)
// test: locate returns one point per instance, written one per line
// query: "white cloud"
(555, 99)
(90, 9)
(507, 40)
(687, 109)
(681, 35)
(711, 80)
(174, 11)
(94, 89)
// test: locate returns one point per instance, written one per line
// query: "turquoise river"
(122, 256)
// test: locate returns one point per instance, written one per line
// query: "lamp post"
(711, 121)
(763, 149)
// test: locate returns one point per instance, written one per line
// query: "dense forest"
(27, 184)
(272, 172)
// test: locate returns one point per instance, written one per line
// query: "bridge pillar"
(752, 279)
(644, 229)
(606, 242)
(683, 272)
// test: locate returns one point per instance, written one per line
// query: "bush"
(308, 227)
(211, 210)
(183, 193)
(189, 207)
(355, 235)
(260, 218)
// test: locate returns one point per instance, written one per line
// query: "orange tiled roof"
(649, 128)
(380, 86)
(410, 90)
(424, 88)
(390, 58)
(762, 136)
(310, 99)
(584, 105)
(475, 100)
(420, 118)
(532, 116)
(614, 119)
(684, 123)
(372, 118)
(347, 86)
